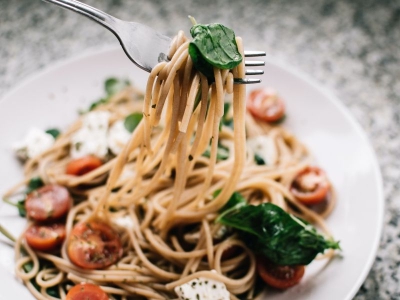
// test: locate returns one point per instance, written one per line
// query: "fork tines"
(252, 63)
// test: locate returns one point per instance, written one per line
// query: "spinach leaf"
(54, 132)
(234, 202)
(114, 85)
(226, 120)
(34, 184)
(132, 121)
(259, 160)
(21, 208)
(269, 230)
(111, 86)
(28, 267)
(53, 290)
(97, 103)
(20, 205)
(213, 45)
(222, 152)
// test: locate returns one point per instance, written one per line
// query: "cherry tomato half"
(84, 291)
(50, 202)
(279, 277)
(83, 165)
(310, 186)
(266, 105)
(45, 237)
(94, 245)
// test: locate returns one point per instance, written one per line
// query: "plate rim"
(287, 67)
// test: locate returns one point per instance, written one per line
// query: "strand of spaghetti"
(230, 283)
(151, 84)
(162, 274)
(179, 185)
(171, 75)
(57, 279)
(214, 120)
(209, 244)
(140, 291)
(20, 260)
(239, 141)
(190, 103)
(118, 167)
(164, 251)
(38, 295)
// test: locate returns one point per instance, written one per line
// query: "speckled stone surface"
(351, 48)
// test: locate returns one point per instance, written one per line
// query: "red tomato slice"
(85, 291)
(265, 104)
(279, 277)
(45, 237)
(311, 186)
(50, 202)
(83, 165)
(94, 245)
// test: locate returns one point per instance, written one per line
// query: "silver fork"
(143, 45)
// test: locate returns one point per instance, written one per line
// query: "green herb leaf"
(53, 291)
(97, 103)
(54, 132)
(21, 208)
(259, 160)
(222, 152)
(28, 267)
(269, 230)
(226, 120)
(111, 86)
(235, 202)
(132, 121)
(43, 264)
(34, 184)
(114, 85)
(213, 45)
(20, 205)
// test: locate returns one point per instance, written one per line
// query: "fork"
(143, 45)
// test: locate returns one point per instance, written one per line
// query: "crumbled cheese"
(202, 289)
(91, 138)
(125, 222)
(264, 147)
(35, 142)
(118, 136)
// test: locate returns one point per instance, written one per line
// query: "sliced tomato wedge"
(94, 245)
(279, 277)
(266, 105)
(311, 186)
(85, 291)
(48, 203)
(45, 237)
(83, 165)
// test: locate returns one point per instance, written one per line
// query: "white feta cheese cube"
(118, 137)
(91, 138)
(264, 147)
(35, 142)
(202, 289)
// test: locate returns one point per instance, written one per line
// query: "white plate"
(53, 97)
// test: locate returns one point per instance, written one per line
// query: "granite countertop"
(350, 47)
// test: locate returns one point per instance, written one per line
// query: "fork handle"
(92, 13)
